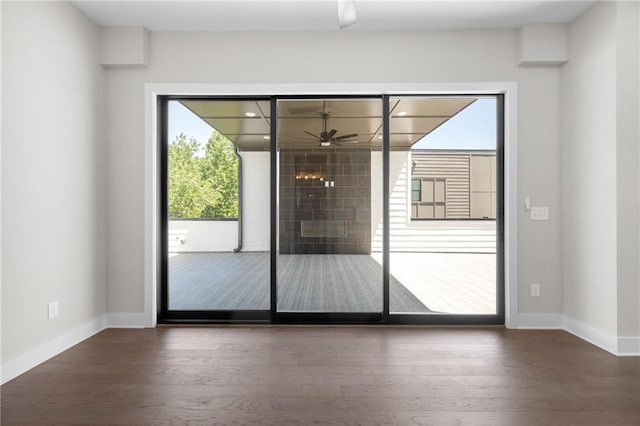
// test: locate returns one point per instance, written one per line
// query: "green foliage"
(203, 186)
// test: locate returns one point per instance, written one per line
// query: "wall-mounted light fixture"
(309, 175)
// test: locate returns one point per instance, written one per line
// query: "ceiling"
(321, 15)
(247, 123)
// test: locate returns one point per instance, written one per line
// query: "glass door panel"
(218, 231)
(329, 206)
(443, 204)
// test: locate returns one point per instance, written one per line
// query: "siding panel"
(455, 169)
(466, 236)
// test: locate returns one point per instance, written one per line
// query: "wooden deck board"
(420, 282)
(456, 283)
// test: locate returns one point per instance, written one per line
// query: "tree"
(220, 170)
(203, 187)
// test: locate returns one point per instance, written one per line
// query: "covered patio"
(459, 283)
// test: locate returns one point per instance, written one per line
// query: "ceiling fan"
(346, 13)
(327, 138)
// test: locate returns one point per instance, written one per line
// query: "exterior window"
(416, 190)
(428, 198)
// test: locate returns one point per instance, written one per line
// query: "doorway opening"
(332, 209)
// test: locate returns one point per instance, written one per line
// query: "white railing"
(187, 236)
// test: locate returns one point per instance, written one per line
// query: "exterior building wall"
(453, 184)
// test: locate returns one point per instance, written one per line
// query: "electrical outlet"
(53, 309)
(535, 290)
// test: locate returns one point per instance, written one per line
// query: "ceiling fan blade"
(311, 134)
(343, 142)
(352, 135)
(332, 133)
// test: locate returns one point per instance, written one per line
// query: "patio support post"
(385, 208)
(237, 153)
(274, 205)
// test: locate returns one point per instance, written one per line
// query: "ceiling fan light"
(325, 143)
(346, 13)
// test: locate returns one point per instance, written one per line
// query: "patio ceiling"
(246, 123)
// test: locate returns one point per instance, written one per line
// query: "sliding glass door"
(444, 204)
(217, 192)
(370, 209)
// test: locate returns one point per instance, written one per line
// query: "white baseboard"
(628, 346)
(621, 346)
(25, 362)
(603, 340)
(538, 321)
(126, 320)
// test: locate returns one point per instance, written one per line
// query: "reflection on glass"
(443, 204)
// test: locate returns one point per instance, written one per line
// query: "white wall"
(638, 183)
(599, 167)
(0, 191)
(256, 197)
(628, 139)
(53, 175)
(399, 207)
(438, 56)
(589, 170)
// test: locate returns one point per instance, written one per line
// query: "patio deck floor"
(458, 283)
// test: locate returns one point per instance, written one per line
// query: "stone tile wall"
(304, 196)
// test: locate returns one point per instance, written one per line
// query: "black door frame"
(166, 316)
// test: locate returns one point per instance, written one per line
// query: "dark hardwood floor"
(279, 375)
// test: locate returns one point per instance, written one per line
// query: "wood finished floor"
(367, 376)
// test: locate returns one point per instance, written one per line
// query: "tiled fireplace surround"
(325, 201)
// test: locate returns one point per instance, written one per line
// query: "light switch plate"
(53, 309)
(539, 213)
(535, 290)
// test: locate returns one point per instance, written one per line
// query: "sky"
(473, 128)
(181, 120)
